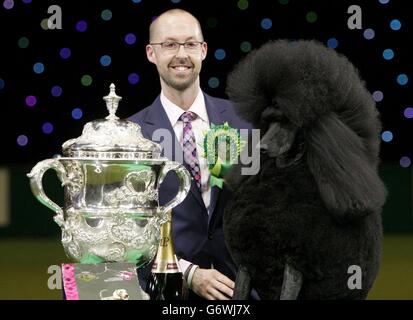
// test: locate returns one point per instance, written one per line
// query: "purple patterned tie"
(189, 146)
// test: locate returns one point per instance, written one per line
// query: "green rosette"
(222, 146)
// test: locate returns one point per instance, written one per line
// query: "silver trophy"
(111, 175)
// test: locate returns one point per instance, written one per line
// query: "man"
(177, 48)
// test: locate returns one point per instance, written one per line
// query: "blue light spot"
(384, 1)
(213, 82)
(175, 1)
(22, 140)
(388, 54)
(2, 84)
(408, 113)
(136, 1)
(130, 38)
(38, 67)
(266, 23)
(395, 25)
(56, 91)
(47, 128)
(105, 60)
(65, 53)
(77, 113)
(378, 96)
(387, 136)
(402, 79)
(369, 34)
(405, 162)
(133, 78)
(220, 54)
(332, 43)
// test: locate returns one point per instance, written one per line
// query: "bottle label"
(165, 267)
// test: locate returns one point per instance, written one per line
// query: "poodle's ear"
(348, 182)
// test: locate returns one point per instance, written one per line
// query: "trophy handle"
(184, 186)
(36, 177)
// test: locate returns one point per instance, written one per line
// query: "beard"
(180, 83)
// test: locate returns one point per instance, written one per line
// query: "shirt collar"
(174, 112)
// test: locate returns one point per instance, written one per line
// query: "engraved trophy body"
(111, 176)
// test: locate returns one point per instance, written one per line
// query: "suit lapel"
(157, 118)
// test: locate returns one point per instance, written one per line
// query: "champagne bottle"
(166, 281)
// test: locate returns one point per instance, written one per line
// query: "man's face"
(178, 70)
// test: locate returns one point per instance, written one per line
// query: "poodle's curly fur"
(321, 214)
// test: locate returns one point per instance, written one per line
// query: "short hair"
(171, 11)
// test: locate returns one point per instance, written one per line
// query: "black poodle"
(309, 223)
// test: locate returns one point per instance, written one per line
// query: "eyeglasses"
(173, 46)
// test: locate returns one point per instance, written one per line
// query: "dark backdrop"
(233, 26)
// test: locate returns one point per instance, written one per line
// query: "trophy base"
(102, 281)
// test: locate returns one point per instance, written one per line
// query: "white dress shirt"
(199, 126)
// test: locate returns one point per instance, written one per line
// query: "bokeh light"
(213, 82)
(86, 80)
(266, 23)
(50, 62)
(47, 128)
(105, 60)
(395, 25)
(369, 34)
(56, 91)
(31, 101)
(38, 67)
(106, 15)
(133, 78)
(22, 140)
(402, 79)
(387, 136)
(81, 26)
(408, 112)
(77, 113)
(405, 162)
(44, 24)
(242, 4)
(378, 96)
(388, 54)
(332, 43)
(246, 46)
(23, 42)
(130, 38)
(220, 54)
(311, 17)
(65, 53)
(8, 4)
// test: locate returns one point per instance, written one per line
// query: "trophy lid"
(111, 138)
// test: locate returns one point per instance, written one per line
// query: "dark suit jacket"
(198, 237)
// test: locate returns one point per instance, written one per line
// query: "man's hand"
(212, 285)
